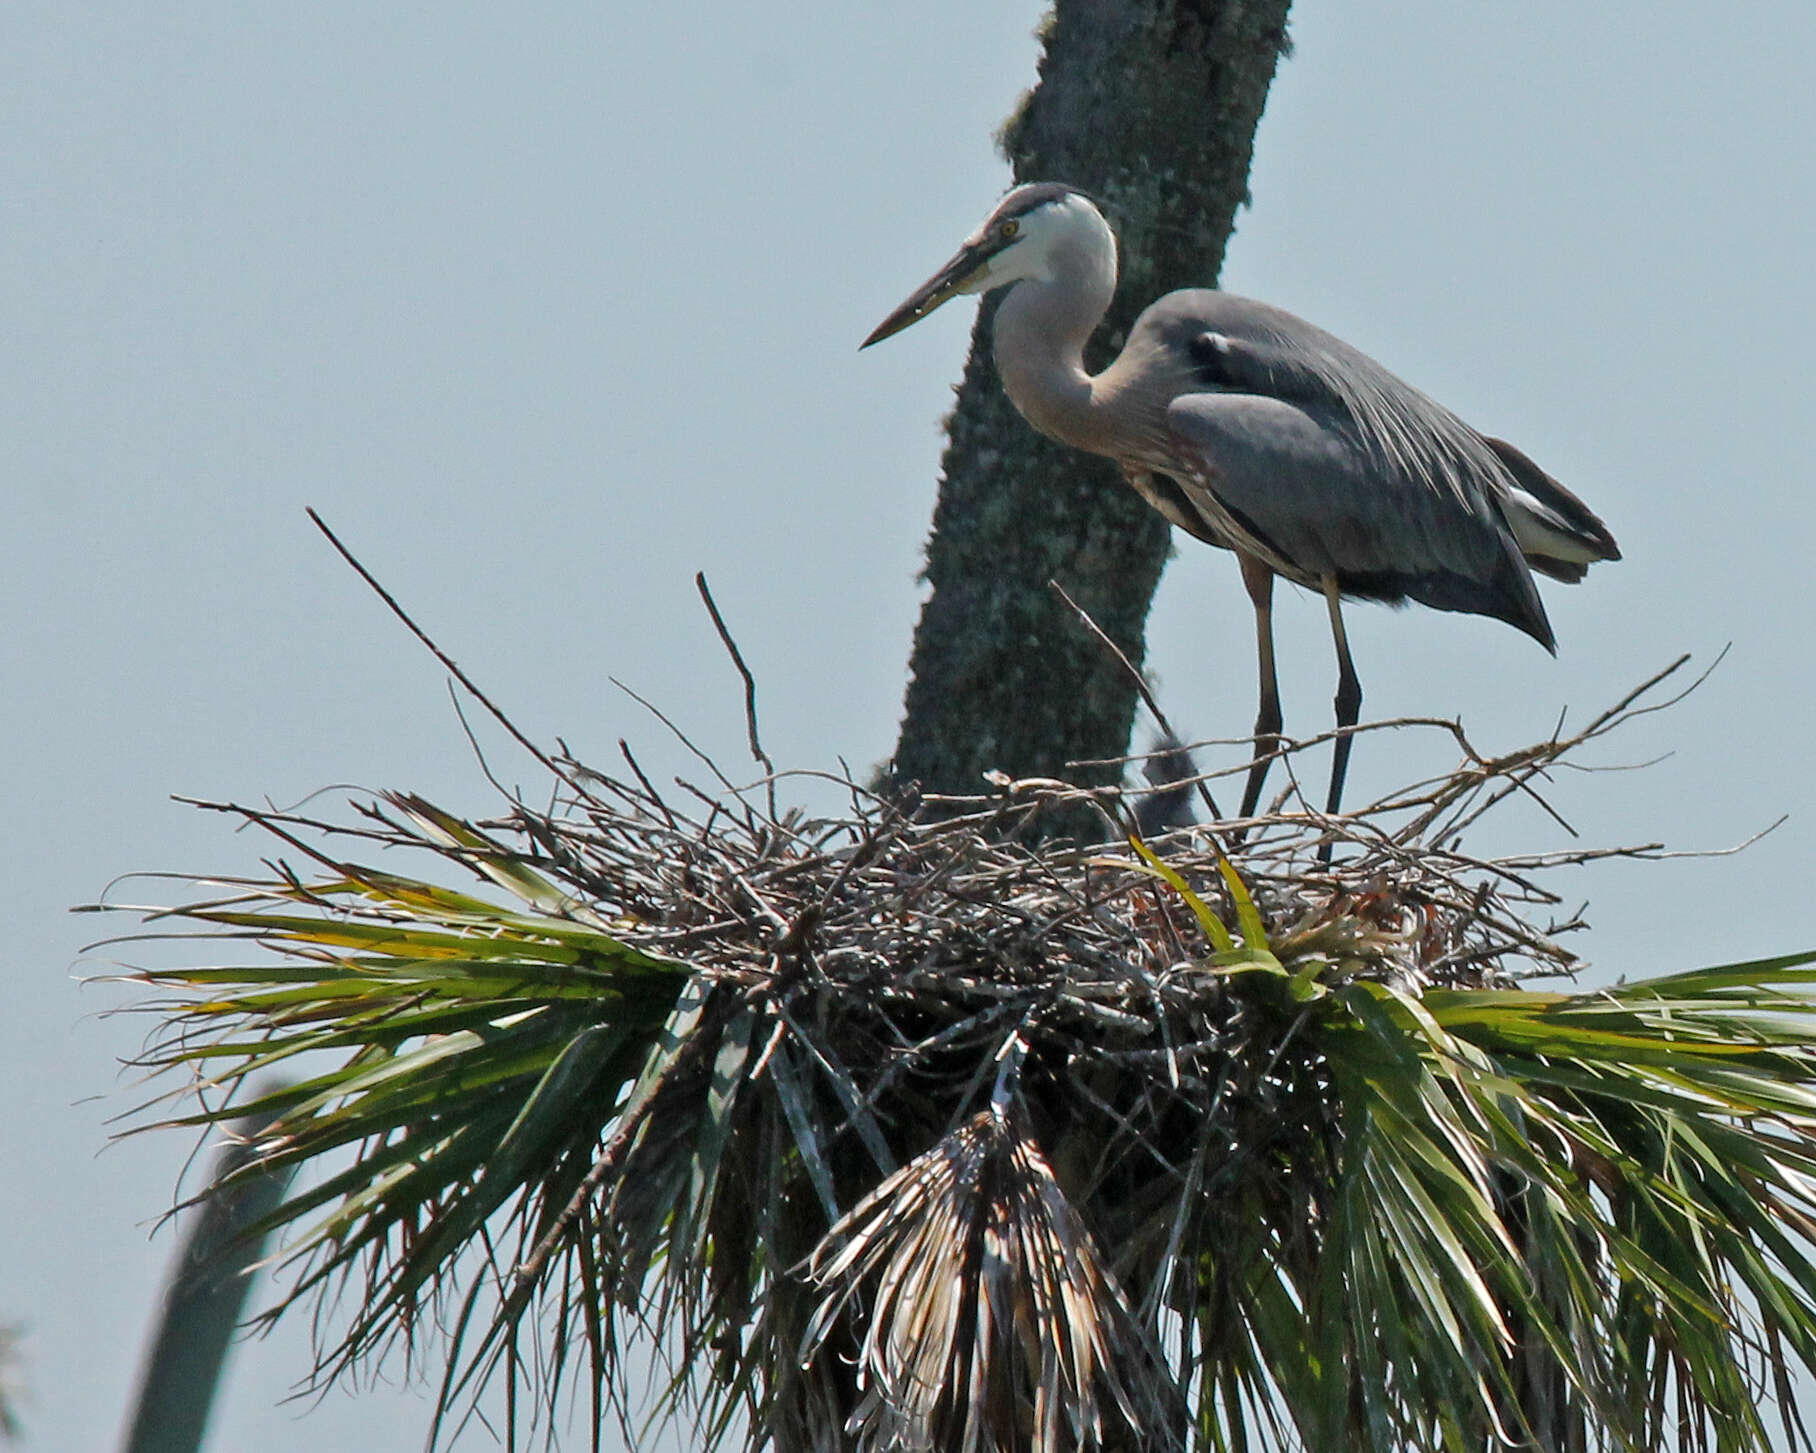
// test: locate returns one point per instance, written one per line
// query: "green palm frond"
(1535, 1203)
(460, 1053)
(902, 1133)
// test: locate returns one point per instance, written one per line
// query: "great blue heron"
(1255, 431)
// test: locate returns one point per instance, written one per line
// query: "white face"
(1038, 234)
(1064, 236)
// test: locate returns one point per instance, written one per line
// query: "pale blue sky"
(547, 308)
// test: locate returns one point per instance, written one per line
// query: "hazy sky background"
(547, 307)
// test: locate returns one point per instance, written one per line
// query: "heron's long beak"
(968, 272)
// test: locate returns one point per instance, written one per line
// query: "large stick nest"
(967, 902)
(908, 1032)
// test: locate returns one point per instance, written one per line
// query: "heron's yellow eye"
(1008, 229)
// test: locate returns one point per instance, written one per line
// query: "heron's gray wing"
(1300, 479)
(1269, 366)
(1218, 343)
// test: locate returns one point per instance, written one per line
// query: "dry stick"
(439, 654)
(750, 687)
(259, 816)
(269, 822)
(479, 754)
(1621, 707)
(1140, 685)
(678, 735)
(1621, 711)
(649, 790)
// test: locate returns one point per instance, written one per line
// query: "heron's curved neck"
(1040, 335)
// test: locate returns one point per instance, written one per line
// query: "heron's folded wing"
(1300, 478)
(1262, 366)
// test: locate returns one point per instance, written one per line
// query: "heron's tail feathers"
(1559, 535)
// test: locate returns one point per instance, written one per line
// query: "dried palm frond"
(986, 1285)
(910, 1129)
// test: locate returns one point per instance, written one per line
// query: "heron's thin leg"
(1260, 582)
(1348, 704)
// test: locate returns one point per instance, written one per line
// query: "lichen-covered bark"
(1150, 106)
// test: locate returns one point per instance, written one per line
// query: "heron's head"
(1020, 239)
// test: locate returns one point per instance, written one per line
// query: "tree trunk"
(202, 1303)
(1150, 106)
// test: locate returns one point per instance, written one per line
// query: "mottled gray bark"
(1150, 106)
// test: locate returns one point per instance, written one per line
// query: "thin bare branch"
(1140, 682)
(750, 685)
(440, 655)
